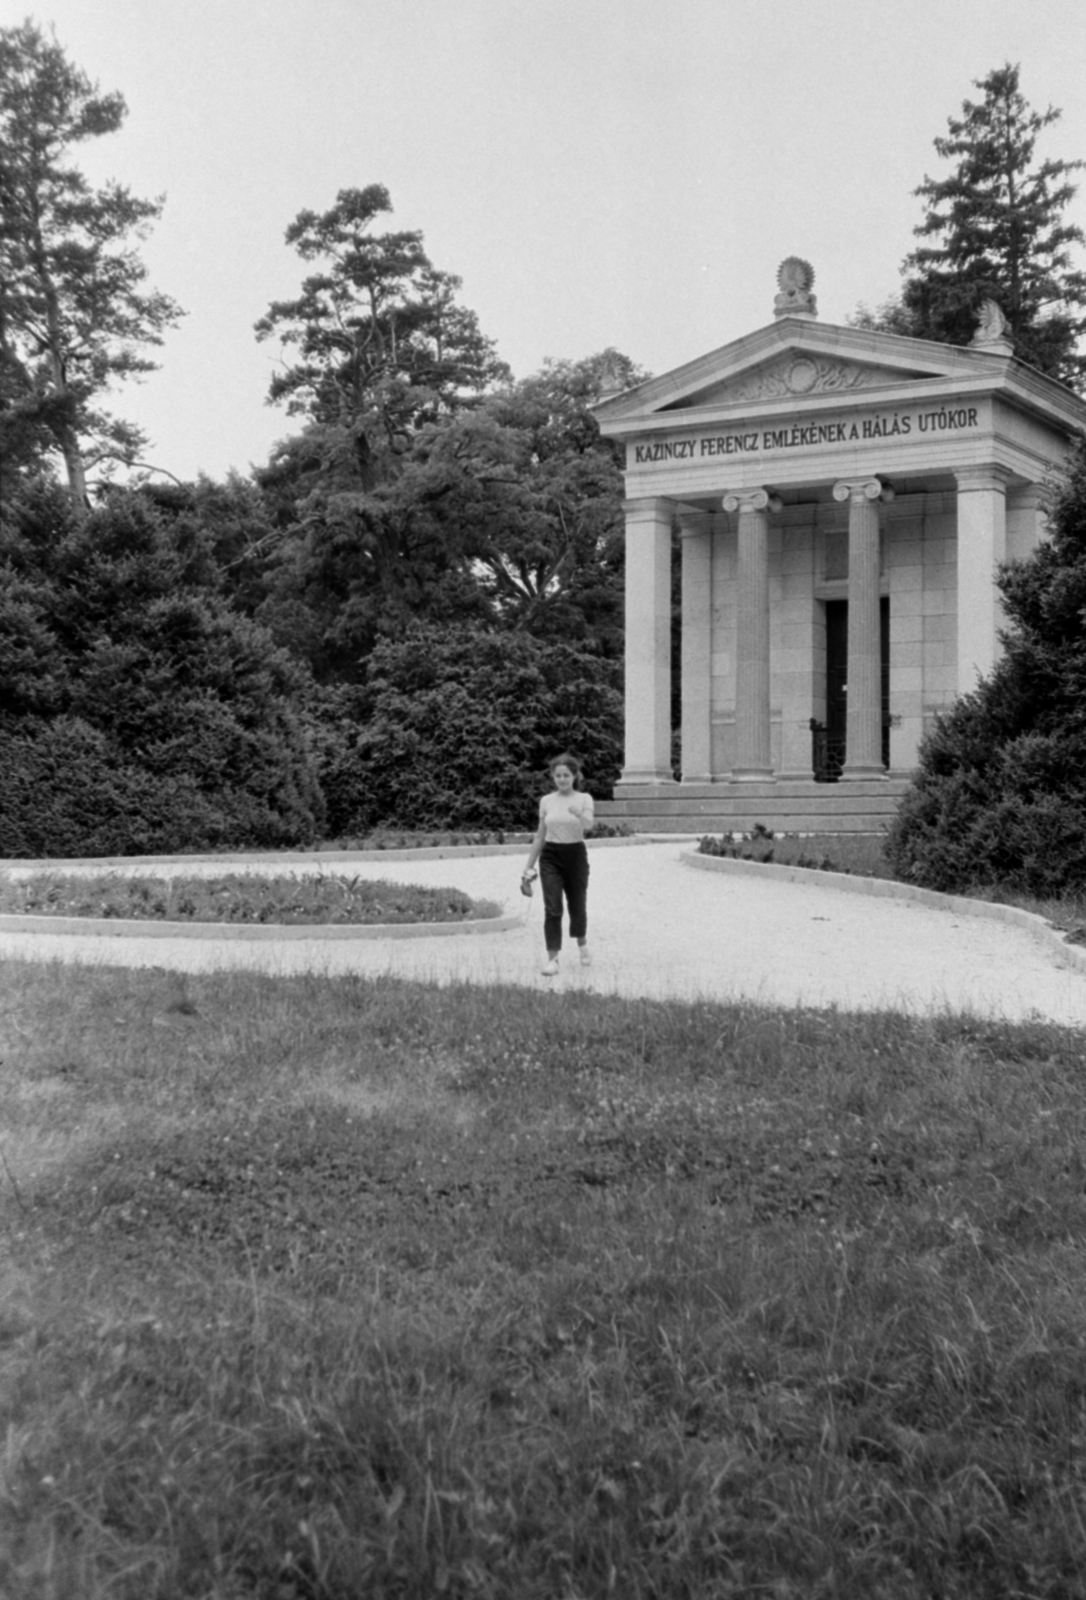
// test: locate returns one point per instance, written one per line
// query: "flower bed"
(315, 898)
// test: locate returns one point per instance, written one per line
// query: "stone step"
(789, 788)
(785, 807)
(883, 805)
(692, 825)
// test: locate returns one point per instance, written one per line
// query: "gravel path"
(659, 928)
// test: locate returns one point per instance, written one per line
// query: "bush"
(453, 728)
(138, 713)
(1000, 797)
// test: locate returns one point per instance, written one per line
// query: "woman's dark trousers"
(563, 870)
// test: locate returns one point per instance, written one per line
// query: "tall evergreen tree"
(381, 343)
(995, 229)
(377, 351)
(74, 313)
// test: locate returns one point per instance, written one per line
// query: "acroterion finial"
(993, 330)
(795, 279)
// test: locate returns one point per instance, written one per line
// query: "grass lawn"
(318, 1289)
(237, 897)
(861, 854)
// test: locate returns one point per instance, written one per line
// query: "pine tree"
(997, 232)
(382, 344)
(74, 313)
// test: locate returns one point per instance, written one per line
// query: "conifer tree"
(995, 229)
(381, 343)
(1000, 794)
(74, 312)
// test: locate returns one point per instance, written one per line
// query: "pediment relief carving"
(792, 377)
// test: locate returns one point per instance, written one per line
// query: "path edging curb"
(890, 889)
(289, 859)
(150, 928)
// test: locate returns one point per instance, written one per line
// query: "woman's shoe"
(551, 969)
(586, 956)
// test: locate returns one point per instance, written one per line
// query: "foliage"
(381, 343)
(1000, 797)
(454, 726)
(994, 229)
(528, 486)
(382, 351)
(137, 711)
(889, 317)
(74, 313)
(332, 1288)
(507, 512)
(232, 521)
(349, 568)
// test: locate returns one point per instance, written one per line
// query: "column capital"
(857, 489)
(653, 505)
(1031, 496)
(693, 520)
(987, 477)
(758, 499)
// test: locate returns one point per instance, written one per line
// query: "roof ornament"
(612, 378)
(993, 331)
(795, 279)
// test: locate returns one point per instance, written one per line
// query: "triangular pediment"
(792, 360)
(793, 375)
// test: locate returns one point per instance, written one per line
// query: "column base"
(643, 775)
(863, 774)
(696, 777)
(753, 775)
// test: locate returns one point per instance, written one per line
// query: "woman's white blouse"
(565, 816)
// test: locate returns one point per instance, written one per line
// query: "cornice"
(915, 392)
(959, 370)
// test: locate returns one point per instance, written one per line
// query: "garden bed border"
(156, 928)
(892, 889)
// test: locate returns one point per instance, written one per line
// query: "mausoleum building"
(843, 498)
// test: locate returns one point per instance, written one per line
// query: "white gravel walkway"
(659, 928)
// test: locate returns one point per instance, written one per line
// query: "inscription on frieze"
(745, 441)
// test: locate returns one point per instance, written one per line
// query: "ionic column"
(982, 544)
(648, 641)
(863, 729)
(753, 759)
(696, 532)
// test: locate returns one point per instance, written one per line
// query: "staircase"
(786, 806)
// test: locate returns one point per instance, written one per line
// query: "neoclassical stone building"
(843, 498)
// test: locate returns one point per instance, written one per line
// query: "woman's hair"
(566, 760)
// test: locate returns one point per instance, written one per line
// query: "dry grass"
(328, 1288)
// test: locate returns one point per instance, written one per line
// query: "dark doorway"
(829, 738)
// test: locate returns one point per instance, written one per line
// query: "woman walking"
(565, 816)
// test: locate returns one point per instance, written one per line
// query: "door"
(833, 753)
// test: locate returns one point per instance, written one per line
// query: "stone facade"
(841, 499)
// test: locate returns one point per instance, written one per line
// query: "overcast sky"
(598, 172)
